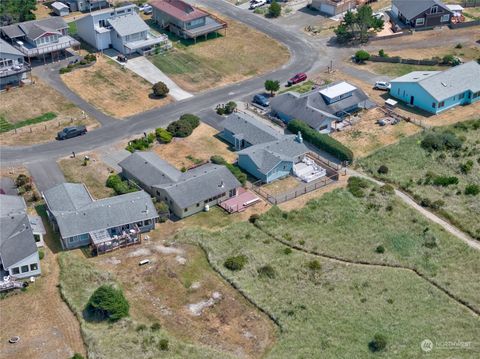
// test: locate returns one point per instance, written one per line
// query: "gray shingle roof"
(250, 129)
(445, 84)
(34, 28)
(312, 108)
(6, 48)
(411, 8)
(149, 169)
(16, 237)
(80, 216)
(201, 183)
(128, 24)
(267, 155)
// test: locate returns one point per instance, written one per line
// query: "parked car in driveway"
(147, 10)
(261, 100)
(69, 132)
(382, 85)
(257, 4)
(297, 79)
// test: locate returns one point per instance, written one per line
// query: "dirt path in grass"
(431, 216)
(46, 326)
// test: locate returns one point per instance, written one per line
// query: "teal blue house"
(437, 91)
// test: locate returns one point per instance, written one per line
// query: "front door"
(412, 99)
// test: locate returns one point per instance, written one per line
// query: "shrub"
(254, 218)
(65, 70)
(387, 189)
(163, 211)
(472, 189)
(119, 186)
(140, 144)
(163, 135)
(184, 126)
(266, 271)
(274, 9)
(383, 170)
(380, 249)
(160, 89)
(445, 181)
(355, 186)
(141, 327)
(237, 172)
(321, 141)
(155, 326)
(458, 46)
(441, 141)
(218, 160)
(90, 58)
(220, 110)
(163, 344)
(192, 120)
(108, 303)
(235, 263)
(466, 167)
(429, 240)
(378, 343)
(382, 53)
(21, 180)
(77, 356)
(41, 254)
(361, 56)
(230, 107)
(314, 265)
(287, 250)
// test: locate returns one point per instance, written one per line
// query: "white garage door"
(328, 9)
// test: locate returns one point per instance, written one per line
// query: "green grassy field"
(409, 165)
(78, 279)
(6, 126)
(397, 70)
(334, 312)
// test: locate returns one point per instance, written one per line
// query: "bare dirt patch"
(113, 89)
(17, 105)
(281, 186)
(94, 175)
(199, 146)
(45, 324)
(189, 299)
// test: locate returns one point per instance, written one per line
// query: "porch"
(104, 240)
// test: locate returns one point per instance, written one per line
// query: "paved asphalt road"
(303, 57)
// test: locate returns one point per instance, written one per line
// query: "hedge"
(184, 126)
(236, 171)
(321, 141)
(120, 186)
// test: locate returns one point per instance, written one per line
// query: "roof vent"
(444, 84)
(221, 184)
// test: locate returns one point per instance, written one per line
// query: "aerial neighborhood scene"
(239, 179)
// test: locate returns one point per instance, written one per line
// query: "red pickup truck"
(297, 78)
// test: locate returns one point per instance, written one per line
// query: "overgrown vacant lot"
(162, 292)
(242, 54)
(113, 89)
(414, 169)
(198, 147)
(349, 227)
(17, 109)
(334, 311)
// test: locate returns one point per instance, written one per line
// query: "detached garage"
(333, 7)
(60, 9)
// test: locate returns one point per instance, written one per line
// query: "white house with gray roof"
(18, 250)
(186, 193)
(105, 224)
(13, 68)
(437, 91)
(420, 14)
(120, 28)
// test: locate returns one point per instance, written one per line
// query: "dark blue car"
(261, 100)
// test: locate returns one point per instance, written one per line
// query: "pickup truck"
(69, 132)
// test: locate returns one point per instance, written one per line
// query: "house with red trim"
(185, 20)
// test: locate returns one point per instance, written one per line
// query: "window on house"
(147, 222)
(420, 22)
(185, 210)
(15, 270)
(462, 95)
(24, 269)
(434, 104)
(441, 104)
(445, 18)
(476, 94)
(434, 10)
(140, 224)
(36, 237)
(33, 266)
(198, 204)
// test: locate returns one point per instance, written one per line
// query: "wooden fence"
(461, 25)
(470, 3)
(400, 60)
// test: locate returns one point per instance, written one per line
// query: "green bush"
(254, 218)
(235, 263)
(218, 160)
(184, 126)
(445, 181)
(387, 189)
(378, 343)
(120, 186)
(466, 167)
(266, 271)
(108, 303)
(274, 10)
(65, 70)
(230, 107)
(155, 326)
(163, 135)
(192, 120)
(163, 344)
(382, 53)
(472, 189)
(220, 111)
(314, 265)
(141, 327)
(160, 89)
(383, 170)
(90, 57)
(41, 254)
(441, 141)
(287, 250)
(356, 185)
(77, 356)
(141, 144)
(321, 141)
(234, 169)
(380, 249)
(163, 211)
(21, 180)
(362, 56)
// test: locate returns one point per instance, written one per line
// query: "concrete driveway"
(144, 68)
(46, 174)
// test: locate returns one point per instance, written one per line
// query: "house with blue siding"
(437, 91)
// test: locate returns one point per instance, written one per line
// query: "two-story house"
(86, 5)
(39, 38)
(420, 14)
(13, 69)
(184, 19)
(121, 29)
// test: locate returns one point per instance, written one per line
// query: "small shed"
(60, 8)
(390, 103)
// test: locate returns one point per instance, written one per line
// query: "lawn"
(94, 175)
(397, 70)
(39, 123)
(241, 54)
(113, 89)
(409, 164)
(336, 310)
(300, 88)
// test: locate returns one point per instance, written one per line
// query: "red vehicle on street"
(297, 78)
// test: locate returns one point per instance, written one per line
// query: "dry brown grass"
(94, 175)
(200, 145)
(281, 186)
(466, 53)
(46, 326)
(163, 290)
(42, 11)
(114, 90)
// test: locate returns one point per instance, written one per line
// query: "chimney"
(221, 185)
(299, 137)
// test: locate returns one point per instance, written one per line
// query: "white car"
(147, 9)
(257, 4)
(141, 7)
(382, 85)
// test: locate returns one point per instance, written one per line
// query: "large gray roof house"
(18, 250)
(320, 107)
(242, 130)
(186, 193)
(421, 13)
(105, 224)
